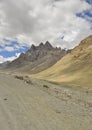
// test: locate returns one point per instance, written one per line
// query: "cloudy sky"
(25, 22)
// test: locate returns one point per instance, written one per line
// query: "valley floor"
(30, 104)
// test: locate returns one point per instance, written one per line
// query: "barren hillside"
(75, 68)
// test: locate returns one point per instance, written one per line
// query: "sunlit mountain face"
(74, 68)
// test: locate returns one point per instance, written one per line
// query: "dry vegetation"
(75, 68)
(24, 78)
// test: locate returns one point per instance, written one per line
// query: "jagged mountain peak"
(33, 47)
(41, 44)
(48, 45)
(37, 58)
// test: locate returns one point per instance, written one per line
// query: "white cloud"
(9, 49)
(34, 21)
(3, 59)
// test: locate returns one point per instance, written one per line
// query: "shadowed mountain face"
(37, 58)
(74, 68)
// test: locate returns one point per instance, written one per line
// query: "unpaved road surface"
(43, 106)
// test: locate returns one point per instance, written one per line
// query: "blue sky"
(89, 1)
(23, 23)
(11, 49)
(6, 53)
(86, 15)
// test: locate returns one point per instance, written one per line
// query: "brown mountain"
(37, 58)
(75, 68)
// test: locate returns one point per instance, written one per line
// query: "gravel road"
(40, 105)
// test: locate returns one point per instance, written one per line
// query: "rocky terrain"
(31, 104)
(75, 68)
(37, 59)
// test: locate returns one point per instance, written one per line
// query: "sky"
(64, 23)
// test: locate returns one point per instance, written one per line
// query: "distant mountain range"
(4, 64)
(74, 68)
(36, 59)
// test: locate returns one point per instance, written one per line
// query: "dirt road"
(42, 106)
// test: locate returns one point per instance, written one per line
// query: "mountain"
(75, 68)
(37, 58)
(4, 64)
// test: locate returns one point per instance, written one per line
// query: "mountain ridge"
(37, 58)
(74, 68)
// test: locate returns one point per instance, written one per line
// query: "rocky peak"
(33, 47)
(41, 47)
(38, 55)
(41, 44)
(48, 45)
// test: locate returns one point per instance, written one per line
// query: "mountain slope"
(75, 68)
(37, 59)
